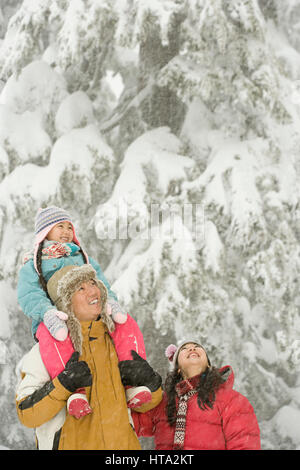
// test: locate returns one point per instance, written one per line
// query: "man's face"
(86, 301)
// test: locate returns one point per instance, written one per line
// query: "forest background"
(170, 130)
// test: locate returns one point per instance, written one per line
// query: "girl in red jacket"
(200, 410)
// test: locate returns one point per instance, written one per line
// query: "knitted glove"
(62, 315)
(138, 372)
(54, 320)
(76, 374)
(113, 308)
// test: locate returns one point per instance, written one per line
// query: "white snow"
(37, 87)
(287, 423)
(4, 163)
(198, 128)
(82, 150)
(23, 136)
(229, 184)
(68, 37)
(160, 10)
(236, 157)
(182, 253)
(213, 247)
(156, 152)
(7, 303)
(74, 111)
(115, 82)
(158, 148)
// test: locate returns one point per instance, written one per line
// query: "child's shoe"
(138, 396)
(78, 405)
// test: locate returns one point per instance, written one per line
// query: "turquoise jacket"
(32, 298)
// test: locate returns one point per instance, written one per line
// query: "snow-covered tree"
(170, 129)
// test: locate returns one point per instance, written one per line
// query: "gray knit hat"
(45, 220)
(61, 287)
(48, 217)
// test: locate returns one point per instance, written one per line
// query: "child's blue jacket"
(32, 298)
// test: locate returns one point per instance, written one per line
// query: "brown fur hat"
(61, 287)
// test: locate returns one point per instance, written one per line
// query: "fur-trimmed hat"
(172, 351)
(61, 287)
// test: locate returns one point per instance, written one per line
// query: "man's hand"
(76, 374)
(138, 372)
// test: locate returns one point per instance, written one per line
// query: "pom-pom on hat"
(172, 351)
(45, 220)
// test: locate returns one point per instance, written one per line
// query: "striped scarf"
(54, 250)
(185, 390)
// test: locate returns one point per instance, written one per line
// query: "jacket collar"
(92, 329)
(185, 386)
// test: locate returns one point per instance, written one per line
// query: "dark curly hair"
(209, 383)
(42, 280)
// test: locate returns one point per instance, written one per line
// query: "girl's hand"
(56, 326)
(62, 315)
(113, 308)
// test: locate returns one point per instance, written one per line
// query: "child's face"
(192, 357)
(61, 232)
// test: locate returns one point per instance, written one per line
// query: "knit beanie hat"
(45, 220)
(61, 287)
(172, 351)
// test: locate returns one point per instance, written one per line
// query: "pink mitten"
(62, 315)
(55, 324)
(113, 308)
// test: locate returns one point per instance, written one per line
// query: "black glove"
(76, 374)
(138, 372)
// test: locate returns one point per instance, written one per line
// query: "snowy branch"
(121, 111)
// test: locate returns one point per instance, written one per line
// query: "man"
(41, 402)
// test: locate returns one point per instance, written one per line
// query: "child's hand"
(113, 308)
(62, 315)
(54, 323)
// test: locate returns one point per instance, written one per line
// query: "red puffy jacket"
(230, 425)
